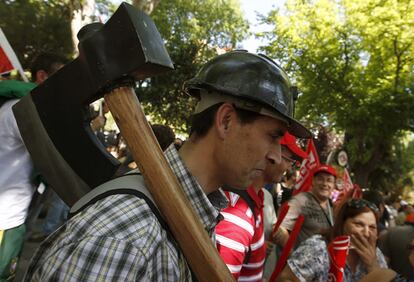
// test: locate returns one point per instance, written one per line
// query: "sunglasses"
(360, 203)
(410, 247)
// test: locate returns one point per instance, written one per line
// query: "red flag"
(304, 181)
(287, 248)
(8, 59)
(346, 188)
(347, 184)
(356, 192)
(5, 64)
(338, 250)
(282, 213)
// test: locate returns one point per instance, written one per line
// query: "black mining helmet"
(249, 81)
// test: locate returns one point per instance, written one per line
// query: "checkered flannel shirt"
(120, 239)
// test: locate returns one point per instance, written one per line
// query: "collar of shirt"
(208, 208)
(257, 197)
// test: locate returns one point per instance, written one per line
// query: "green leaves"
(352, 61)
(35, 26)
(192, 30)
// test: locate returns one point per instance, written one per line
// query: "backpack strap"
(125, 184)
(132, 184)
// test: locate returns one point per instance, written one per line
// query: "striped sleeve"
(234, 234)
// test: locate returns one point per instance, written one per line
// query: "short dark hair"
(47, 62)
(202, 122)
(164, 134)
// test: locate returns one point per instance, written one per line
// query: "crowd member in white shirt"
(16, 174)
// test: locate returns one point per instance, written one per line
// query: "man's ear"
(226, 117)
(41, 76)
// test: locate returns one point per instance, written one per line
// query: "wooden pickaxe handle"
(185, 225)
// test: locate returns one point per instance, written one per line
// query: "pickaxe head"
(54, 118)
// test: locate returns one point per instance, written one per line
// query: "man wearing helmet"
(245, 107)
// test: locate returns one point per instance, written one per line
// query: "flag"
(338, 251)
(356, 192)
(346, 188)
(304, 181)
(347, 184)
(281, 262)
(5, 64)
(282, 213)
(8, 59)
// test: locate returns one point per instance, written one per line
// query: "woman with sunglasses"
(356, 218)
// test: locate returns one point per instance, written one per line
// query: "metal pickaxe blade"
(54, 118)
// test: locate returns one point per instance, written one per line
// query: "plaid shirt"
(120, 239)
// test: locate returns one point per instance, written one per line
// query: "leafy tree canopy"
(35, 26)
(353, 61)
(192, 30)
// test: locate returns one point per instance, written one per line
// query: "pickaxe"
(54, 125)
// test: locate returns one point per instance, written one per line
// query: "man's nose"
(275, 154)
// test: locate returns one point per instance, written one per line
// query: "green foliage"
(192, 30)
(353, 62)
(34, 26)
(394, 173)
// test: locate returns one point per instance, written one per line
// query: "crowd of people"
(238, 168)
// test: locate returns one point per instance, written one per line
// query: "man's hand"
(281, 237)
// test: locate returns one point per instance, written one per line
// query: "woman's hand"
(366, 248)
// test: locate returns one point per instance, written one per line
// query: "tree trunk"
(363, 169)
(83, 13)
(147, 6)
(361, 176)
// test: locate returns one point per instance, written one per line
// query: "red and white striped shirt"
(238, 233)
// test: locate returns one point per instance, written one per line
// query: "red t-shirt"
(238, 232)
